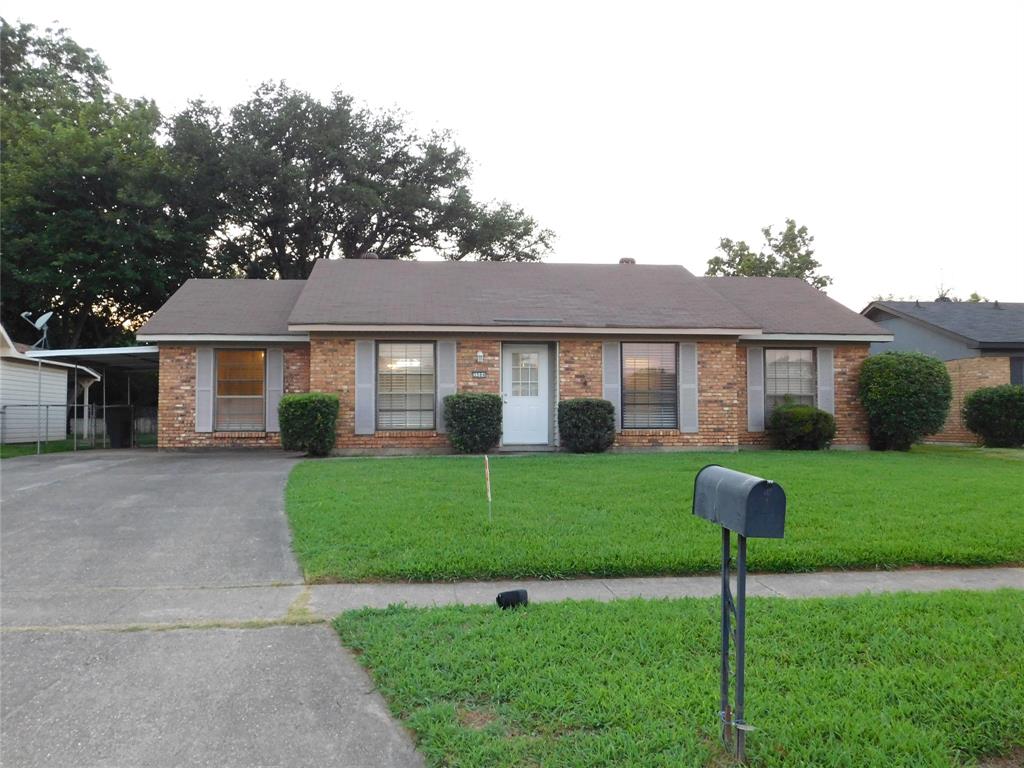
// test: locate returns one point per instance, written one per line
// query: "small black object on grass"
(512, 598)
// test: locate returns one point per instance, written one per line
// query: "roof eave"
(531, 329)
(834, 337)
(192, 338)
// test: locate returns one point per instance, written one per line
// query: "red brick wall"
(717, 405)
(851, 421)
(327, 364)
(332, 368)
(176, 404)
(579, 368)
(465, 364)
(967, 375)
(296, 369)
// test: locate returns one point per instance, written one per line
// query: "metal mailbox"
(750, 507)
(747, 505)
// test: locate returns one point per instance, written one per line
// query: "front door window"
(525, 374)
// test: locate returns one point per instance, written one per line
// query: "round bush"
(307, 422)
(586, 425)
(906, 395)
(996, 415)
(795, 427)
(473, 420)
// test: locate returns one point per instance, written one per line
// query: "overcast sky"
(893, 130)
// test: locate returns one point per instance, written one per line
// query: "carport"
(126, 422)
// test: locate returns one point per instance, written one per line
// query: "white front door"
(524, 389)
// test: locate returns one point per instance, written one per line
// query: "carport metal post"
(74, 410)
(39, 405)
(105, 407)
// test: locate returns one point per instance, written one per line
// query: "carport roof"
(141, 358)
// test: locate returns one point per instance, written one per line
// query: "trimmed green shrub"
(307, 422)
(796, 427)
(586, 424)
(906, 395)
(474, 421)
(996, 415)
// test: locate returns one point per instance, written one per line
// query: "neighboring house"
(982, 344)
(34, 394)
(687, 361)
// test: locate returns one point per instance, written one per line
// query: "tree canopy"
(93, 215)
(106, 208)
(302, 180)
(787, 254)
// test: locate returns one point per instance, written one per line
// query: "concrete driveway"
(127, 579)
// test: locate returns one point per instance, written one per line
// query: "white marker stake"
(487, 478)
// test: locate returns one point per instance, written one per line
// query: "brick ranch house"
(981, 343)
(688, 361)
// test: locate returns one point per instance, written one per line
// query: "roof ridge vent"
(995, 304)
(627, 260)
(917, 303)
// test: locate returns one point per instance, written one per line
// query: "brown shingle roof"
(485, 294)
(488, 294)
(229, 307)
(789, 305)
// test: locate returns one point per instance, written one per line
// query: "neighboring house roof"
(788, 305)
(10, 351)
(494, 295)
(504, 297)
(983, 324)
(226, 307)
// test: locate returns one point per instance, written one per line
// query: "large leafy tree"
(96, 217)
(787, 254)
(302, 180)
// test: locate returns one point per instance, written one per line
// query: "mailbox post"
(751, 507)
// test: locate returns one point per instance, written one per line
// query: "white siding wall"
(19, 384)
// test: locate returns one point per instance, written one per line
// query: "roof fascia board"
(47, 353)
(198, 337)
(868, 337)
(531, 329)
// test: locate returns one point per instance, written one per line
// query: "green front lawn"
(560, 516)
(12, 450)
(893, 680)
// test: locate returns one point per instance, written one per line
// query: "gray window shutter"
(445, 379)
(826, 379)
(688, 388)
(611, 378)
(366, 400)
(755, 389)
(204, 389)
(275, 386)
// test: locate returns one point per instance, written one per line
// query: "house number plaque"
(479, 374)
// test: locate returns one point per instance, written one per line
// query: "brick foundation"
(967, 375)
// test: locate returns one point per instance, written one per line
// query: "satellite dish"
(40, 325)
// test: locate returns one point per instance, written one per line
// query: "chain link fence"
(60, 426)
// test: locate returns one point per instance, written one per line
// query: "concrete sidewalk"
(123, 607)
(331, 599)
